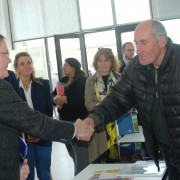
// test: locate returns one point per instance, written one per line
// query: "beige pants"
(97, 145)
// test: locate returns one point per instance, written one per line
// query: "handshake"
(84, 129)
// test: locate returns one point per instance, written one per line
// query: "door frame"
(57, 39)
(119, 30)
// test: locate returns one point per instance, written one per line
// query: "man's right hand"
(84, 129)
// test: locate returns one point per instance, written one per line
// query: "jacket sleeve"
(90, 95)
(16, 114)
(119, 101)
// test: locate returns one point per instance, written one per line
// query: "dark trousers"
(172, 163)
(78, 150)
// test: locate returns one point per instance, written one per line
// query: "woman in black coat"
(71, 106)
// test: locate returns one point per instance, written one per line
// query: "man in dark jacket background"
(151, 82)
(128, 51)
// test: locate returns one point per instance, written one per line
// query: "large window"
(101, 39)
(173, 29)
(36, 50)
(95, 13)
(132, 11)
(41, 18)
(62, 17)
(52, 62)
(128, 37)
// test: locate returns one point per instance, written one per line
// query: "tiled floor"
(62, 166)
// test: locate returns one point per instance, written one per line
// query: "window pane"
(37, 18)
(95, 13)
(96, 40)
(26, 20)
(60, 16)
(131, 10)
(128, 37)
(70, 48)
(37, 51)
(165, 9)
(173, 29)
(53, 62)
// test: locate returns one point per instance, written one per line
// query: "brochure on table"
(138, 169)
(143, 168)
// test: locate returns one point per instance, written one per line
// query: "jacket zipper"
(156, 81)
(158, 94)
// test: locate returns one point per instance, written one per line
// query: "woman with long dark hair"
(72, 107)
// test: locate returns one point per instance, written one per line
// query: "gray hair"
(158, 30)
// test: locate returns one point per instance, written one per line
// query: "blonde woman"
(36, 92)
(97, 88)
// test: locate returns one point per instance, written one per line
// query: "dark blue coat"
(41, 100)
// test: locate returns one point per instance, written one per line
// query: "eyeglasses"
(105, 49)
(130, 50)
(5, 54)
